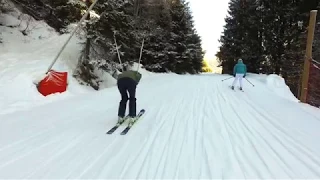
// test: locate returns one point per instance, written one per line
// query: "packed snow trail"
(194, 127)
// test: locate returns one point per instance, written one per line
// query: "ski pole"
(249, 82)
(140, 55)
(115, 41)
(226, 78)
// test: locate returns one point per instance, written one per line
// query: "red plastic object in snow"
(54, 82)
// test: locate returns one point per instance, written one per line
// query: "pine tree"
(284, 39)
(195, 52)
(232, 46)
(154, 22)
(252, 32)
(57, 13)
(187, 55)
(114, 24)
(293, 54)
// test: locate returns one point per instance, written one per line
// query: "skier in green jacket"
(127, 82)
(239, 72)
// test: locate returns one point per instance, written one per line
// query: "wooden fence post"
(308, 56)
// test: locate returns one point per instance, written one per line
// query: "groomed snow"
(195, 126)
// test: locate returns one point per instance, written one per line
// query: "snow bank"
(278, 85)
(18, 75)
(15, 24)
(275, 84)
(28, 48)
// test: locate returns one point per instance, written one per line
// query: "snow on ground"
(25, 60)
(277, 85)
(194, 127)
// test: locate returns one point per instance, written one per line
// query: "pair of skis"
(125, 131)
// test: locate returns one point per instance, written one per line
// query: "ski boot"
(232, 87)
(132, 120)
(240, 88)
(121, 120)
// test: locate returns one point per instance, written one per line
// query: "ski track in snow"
(194, 127)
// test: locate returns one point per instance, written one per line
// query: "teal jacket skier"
(239, 72)
(240, 68)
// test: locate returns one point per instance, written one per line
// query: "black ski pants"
(125, 86)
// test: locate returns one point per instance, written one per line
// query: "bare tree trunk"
(87, 49)
(136, 7)
(84, 70)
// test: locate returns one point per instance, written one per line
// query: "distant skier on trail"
(127, 82)
(239, 72)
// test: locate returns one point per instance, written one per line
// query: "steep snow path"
(194, 127)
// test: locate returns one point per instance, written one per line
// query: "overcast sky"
(209, 17)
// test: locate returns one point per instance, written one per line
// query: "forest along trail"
(194, 127)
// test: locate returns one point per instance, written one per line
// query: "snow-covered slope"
(194, 126)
